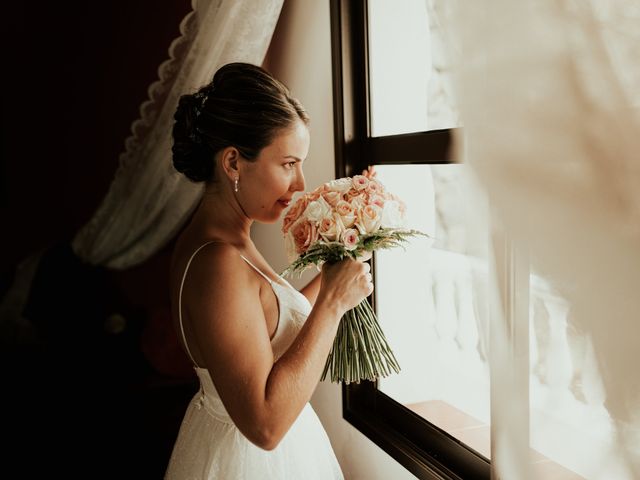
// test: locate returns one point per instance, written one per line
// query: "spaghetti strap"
(184, 275)
(256, 269)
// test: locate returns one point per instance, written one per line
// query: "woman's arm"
(311, 289)
(222, 302)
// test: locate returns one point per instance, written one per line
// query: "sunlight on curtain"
(548, 96)
(148, 202)
(548, 93)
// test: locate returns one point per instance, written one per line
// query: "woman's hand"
(346, 283)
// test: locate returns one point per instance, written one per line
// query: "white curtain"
(148, 202)
(548, 92)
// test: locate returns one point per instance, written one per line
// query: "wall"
(300, 55)
(73, 81)
(73, 84)
(74, 77)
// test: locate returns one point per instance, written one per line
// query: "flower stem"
(360, 350)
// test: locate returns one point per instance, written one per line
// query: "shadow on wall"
(86, 364)
(91, 372)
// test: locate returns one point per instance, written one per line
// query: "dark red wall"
(74, 76)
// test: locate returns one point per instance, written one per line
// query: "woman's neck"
(219, 216)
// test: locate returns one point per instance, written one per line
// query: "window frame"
(424, 449)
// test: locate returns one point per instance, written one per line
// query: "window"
(385, 116)
(394, 108)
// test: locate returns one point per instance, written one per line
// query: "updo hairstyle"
(243, 106)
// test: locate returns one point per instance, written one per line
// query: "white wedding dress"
(209, 446)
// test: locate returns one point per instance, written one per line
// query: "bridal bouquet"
(348, 217)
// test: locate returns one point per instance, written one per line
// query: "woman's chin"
(272, 218)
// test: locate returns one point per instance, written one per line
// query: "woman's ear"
(230, 162)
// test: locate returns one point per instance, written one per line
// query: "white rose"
(331, 228)
(391, 215)
(341, 185)
(317, 210)
(357, 203)
(347, 213)
(369, 218)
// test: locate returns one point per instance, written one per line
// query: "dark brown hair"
(243, 106)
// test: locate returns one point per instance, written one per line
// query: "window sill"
(477, 435)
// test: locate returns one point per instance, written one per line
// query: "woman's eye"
(291, 164)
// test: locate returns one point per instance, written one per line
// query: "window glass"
(431, 301)
(410, 85)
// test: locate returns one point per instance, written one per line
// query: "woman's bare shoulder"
(219, 286)
(218, 261)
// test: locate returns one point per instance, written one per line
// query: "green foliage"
(332, 252)
(360, 350)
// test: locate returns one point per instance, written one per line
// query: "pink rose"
(350, 238)
(374, 188)
(346, 212)
(322, 188)
(294, 213)
(332, 198)
(353, 193)
(313, 196)
(304, 234)
(360, 182)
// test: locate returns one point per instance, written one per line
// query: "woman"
(257, 344)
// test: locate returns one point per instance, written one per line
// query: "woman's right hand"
(345, 283)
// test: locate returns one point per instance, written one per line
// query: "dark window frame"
(423, 448)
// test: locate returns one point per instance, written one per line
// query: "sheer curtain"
(549, 98)
(147, 201)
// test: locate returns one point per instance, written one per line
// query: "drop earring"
(235, 185)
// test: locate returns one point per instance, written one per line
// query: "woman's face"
(266, 185)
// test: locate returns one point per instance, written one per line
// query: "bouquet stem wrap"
(360, 350)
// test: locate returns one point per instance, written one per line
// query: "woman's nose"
(299, 184)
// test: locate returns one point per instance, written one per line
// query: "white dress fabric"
(210, 446)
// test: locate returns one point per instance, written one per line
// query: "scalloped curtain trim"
(148, 202)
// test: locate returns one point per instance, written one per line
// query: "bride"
(257, 344)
